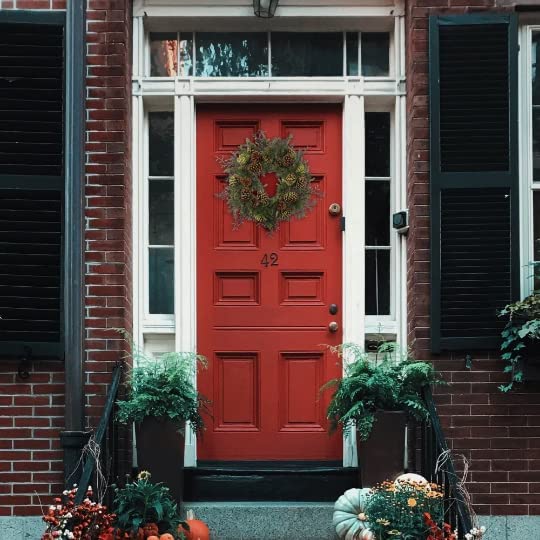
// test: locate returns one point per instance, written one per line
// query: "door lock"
(333, 309)
(333, 327)
(334, 209)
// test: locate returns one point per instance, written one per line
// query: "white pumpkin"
(412, 478)
(348, 513)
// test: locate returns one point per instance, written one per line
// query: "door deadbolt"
(333, 309)
(334, 209)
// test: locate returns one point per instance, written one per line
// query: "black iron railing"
(104, 446)
(437, 466)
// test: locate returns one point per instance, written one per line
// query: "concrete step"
(266, 520)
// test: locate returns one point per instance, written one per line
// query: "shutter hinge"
(342, 223)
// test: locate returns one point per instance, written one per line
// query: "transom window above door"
(269, 54)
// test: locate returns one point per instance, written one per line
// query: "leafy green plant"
(142, 502)
(164, 388)
(523, 325)
(391, 382)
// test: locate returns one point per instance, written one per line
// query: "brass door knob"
(334, 209)
(333, 327)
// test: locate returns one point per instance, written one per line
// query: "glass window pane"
(185, 66)
(312, 54)
(377, 282)
(231, 54)
(161, 278)
(375, 54)
(378, 213)
(161, 143)
(352, 53)
(535, 63)
(377, 144)
(536, 142)
(163, 54)
(161, 212)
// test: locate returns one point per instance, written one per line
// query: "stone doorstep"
(266, 520)
(278, 520)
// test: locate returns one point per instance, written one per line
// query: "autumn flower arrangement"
(86, 521)
(398, 509)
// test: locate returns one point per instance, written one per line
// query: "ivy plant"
(522, 327)
(392, 381)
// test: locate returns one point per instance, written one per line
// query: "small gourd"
(349, 518)
(198, 530)
(411, 478)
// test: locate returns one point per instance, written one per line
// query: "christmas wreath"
(262, 166)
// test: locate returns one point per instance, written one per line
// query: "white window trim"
(526, 184)
(357, 95)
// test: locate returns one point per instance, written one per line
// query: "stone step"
(266, 520)
(268, 481)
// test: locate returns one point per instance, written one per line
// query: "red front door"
(263, 301)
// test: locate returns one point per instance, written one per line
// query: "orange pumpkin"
(166, 536)
(153, 537)
(198, 530)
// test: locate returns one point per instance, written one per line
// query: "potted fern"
(161, 399)
(374, 400)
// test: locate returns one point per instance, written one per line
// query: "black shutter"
(31, 184)
(474, 178)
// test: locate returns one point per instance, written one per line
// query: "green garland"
(246, 195)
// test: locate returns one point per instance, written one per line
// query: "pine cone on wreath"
(288, 159)
(290, 179)
(263, 198)
(243, 158)
(255, 167)
(233, 180)
(302, 182)
(257, 157)
(245, 194)
(246, 182)
(290, 197)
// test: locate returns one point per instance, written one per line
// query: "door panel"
(263, 299)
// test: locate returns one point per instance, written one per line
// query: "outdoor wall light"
(265, 8)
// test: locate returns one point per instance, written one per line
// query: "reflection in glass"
(163, 54)
(309, 54)
(161, 212)
(161, 143)
(161, 280)
(535, 62)
(377, 213)
(185, 65)
(352, 53)
(375, 54)
(378, 282)
(231, 54)
(536, 142)
(377, 144)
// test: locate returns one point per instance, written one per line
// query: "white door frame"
(357, 94)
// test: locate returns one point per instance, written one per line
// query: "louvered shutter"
(31, 184)
(473, 175)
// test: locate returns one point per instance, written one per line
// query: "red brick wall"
(498, 433)
(31, 467)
